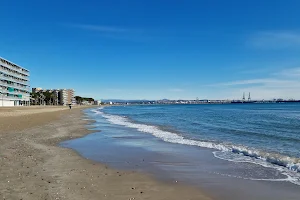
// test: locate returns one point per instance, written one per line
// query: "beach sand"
(33, 166)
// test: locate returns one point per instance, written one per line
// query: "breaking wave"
(288, 166)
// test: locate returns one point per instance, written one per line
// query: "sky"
(156, 49)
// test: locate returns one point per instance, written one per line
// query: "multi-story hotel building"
(66, 96)
(14, 84)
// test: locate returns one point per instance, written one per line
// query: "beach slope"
(33, 166)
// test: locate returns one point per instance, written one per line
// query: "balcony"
(14, 80)
(11, 90)
(4, 71)
(10, 97)
(21, 70)
(15, 86)
(24, 72)
(13, 94)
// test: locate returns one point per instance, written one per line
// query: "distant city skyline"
(157, 49)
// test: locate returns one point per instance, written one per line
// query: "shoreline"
(33, 166)
(132, 149)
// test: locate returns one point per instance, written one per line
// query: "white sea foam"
(286, 165)
(291, 175)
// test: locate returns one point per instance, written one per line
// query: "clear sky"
(138, 49)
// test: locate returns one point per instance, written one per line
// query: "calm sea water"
(264, 134)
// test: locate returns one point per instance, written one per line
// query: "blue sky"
(157, 49)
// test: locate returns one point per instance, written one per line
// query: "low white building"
(97, 102)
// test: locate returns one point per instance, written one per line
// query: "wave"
(288, 166)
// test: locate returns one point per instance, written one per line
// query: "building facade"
(14, 84)
(53, 96)
(66, 96)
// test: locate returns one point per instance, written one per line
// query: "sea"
(232, 151)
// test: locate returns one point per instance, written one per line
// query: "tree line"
(44, 98)
(80, 99)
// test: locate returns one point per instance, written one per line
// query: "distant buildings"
(15, 89)
(66, 96)
(14, 84)
(97, 102)
(52, 96)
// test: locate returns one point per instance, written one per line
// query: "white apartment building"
(14, 84)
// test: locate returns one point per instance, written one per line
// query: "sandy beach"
(33, 166)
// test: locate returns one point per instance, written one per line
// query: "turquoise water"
(264, 134)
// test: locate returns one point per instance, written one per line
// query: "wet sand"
(32, 166)
(125, 148)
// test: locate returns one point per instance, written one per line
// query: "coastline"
(130, 146)
(33, 166)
